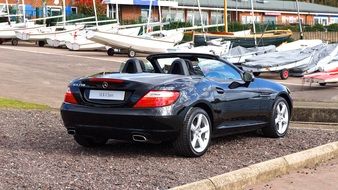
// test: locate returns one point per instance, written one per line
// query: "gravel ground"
(36, 153)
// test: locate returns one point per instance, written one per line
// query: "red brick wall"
(38, 3)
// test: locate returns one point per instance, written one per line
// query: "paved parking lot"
(41, 75)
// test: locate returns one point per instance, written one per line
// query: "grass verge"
(10, 103)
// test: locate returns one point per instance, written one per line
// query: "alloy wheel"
(282, 117)
(200, 133)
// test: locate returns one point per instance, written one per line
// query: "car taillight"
(69, 97)
(157, 98)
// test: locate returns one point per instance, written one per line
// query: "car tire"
(284, 74)
(110, 52)
(194, 137)
(89, 141)
(41, 43)
(280, 119)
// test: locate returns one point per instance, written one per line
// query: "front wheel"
(131, 53)
(284, 74)
(194, 137)
(280, 119)
(110, 52)
(89, 142)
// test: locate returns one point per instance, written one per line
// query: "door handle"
(219, 90)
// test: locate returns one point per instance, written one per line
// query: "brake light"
(109, 80)
(157, 98)
(69, 97)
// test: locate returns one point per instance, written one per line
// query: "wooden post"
(226, 15)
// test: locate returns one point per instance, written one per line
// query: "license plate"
(106, 95)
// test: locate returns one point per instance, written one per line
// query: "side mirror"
(247, 77)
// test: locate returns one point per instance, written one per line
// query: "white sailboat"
(152, 42)
(7, 30)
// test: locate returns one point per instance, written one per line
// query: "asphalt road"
(41, 75)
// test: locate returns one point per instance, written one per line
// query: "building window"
(321, 20)
(74, 10)
(270, 20)
(216, 17)
(250, 19)
(194, 18)
(173, 15)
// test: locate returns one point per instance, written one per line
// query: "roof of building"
(273, 5)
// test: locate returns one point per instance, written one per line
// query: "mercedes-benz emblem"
(104, 85)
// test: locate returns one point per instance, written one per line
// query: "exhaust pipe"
(139, 138)
(71, 131)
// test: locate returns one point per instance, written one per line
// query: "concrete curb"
(264, 171)
(314, 114)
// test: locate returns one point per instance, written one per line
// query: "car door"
(236, 105)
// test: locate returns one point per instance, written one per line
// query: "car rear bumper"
(122, 124)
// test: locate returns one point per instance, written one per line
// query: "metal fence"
(331, 37)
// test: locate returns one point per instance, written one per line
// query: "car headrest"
(179, 67)
(133, 66)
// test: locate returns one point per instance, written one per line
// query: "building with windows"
(272, 11)
(33, 8)
(266, 11)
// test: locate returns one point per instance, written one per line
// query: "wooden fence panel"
(331, 37)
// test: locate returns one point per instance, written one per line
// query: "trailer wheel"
(15, 42)
(110, 52)
(131, 53)
(322, 84)
(41, 43)
(284, 74)
(256, 74)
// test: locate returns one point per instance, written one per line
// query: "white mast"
(160, 15)
(64, 13)
(149, 15)
(24, 10)
(117, 13)
(7, 7)
(299, 22)
(253, 21)
(95, 13)
(201, 16)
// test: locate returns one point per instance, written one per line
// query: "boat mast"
(299, 22)
(253, 21)
(160, 15)
(24, 10)
(8, 16)
(117, 13)
(201, 16)
(95, 13)
(64, 13)
(226, 15)
(149, 15)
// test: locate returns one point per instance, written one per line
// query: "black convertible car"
(183, 98)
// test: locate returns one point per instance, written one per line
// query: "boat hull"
(244, 41)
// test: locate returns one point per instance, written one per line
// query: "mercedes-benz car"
(182, 98)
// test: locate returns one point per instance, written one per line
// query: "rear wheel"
(280, 119)
(194, 138)
(284, 74)
(110, 52)
(41, 43)
(15, 42)
(89, 141)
